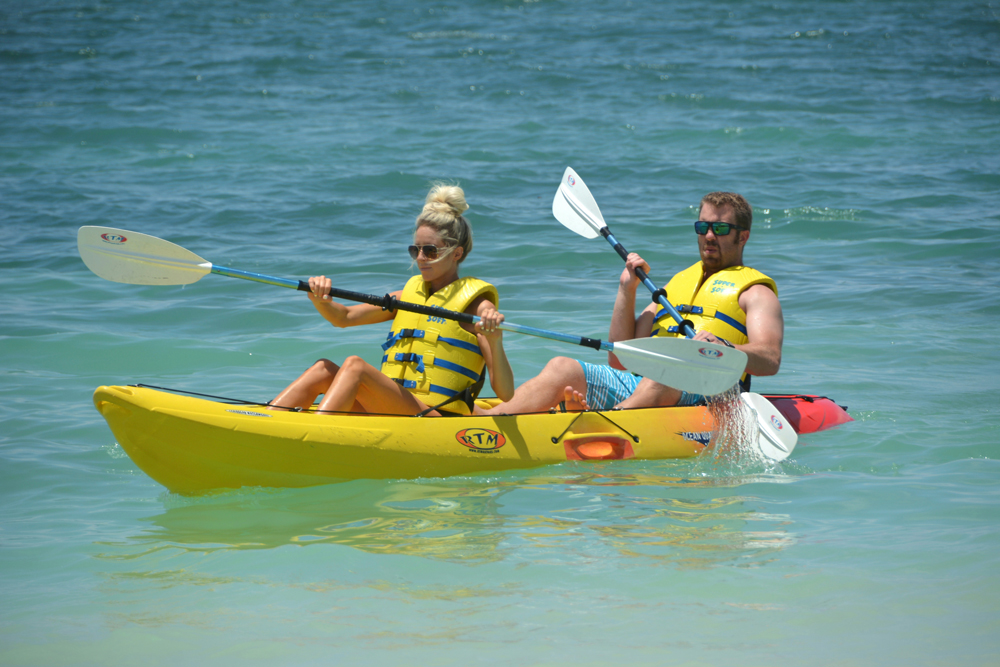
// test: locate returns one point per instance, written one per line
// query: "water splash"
(733, 449)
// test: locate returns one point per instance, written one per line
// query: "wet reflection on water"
(689, 514)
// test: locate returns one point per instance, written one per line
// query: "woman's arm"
(491, 343)
(340, 315)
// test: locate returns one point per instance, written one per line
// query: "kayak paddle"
(576, 209)
(139, 259)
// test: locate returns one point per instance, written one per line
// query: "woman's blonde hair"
(443, 211)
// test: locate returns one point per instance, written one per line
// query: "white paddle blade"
(138, 259)
(777, 437)
(682, 363)
(575, 207)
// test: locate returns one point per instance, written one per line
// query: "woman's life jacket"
(435, 358)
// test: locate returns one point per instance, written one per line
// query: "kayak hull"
(192, 445)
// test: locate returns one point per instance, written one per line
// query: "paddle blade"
(575, 207)
(138, 259)
(682, 363)
(777, 437)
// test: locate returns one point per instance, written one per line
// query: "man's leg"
(545, 390)
(651, 394)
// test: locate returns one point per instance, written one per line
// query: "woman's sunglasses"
(718, 228)
(430, 251)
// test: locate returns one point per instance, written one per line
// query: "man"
(726, 303)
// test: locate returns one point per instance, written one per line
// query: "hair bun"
(446, 200)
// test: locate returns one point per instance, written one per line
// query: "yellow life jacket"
(713, 306)
(433, 357)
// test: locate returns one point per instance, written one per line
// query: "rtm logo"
(436, 320)
(113, 238)
(481, 439)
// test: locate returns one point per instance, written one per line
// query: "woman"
(430, 363)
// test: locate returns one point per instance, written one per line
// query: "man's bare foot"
(575, 401)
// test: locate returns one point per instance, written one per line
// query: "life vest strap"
(467, 372)
(420, 359)
(391, 339)
(432, 388)
(408, 358)
(679, 328)
(686, 309)
(471, 347)
(467, 396)
(731, 322)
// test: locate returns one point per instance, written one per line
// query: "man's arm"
(624, 324)
(765, 330)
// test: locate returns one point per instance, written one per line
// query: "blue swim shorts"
(607, 387)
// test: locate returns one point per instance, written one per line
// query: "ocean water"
(299, 137)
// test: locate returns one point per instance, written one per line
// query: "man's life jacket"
(713, 306)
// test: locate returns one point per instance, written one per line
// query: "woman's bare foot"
(575, 401)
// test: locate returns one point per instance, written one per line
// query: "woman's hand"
(319, 290)
(489, 325)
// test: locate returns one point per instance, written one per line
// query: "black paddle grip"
(389, 302)
(619, 248)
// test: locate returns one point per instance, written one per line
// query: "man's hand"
(710, 338)
(628, 280)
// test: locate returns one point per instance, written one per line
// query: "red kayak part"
(807, 413)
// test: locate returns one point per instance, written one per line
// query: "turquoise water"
(295, 138)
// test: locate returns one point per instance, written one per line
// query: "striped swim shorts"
(607, 387)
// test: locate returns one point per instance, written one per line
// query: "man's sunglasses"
(718, 228)
(430, 251)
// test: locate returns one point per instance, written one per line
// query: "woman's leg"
(360, 382)
(303, 391)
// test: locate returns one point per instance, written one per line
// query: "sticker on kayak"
(710, 352)
(247, 413)
(777, 422)
(114, 238)
(481, 439)
(702, 437)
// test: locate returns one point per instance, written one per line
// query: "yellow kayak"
(191, 444)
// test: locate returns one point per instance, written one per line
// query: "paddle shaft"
(660, 298)
(389, 302)
(139, 259)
